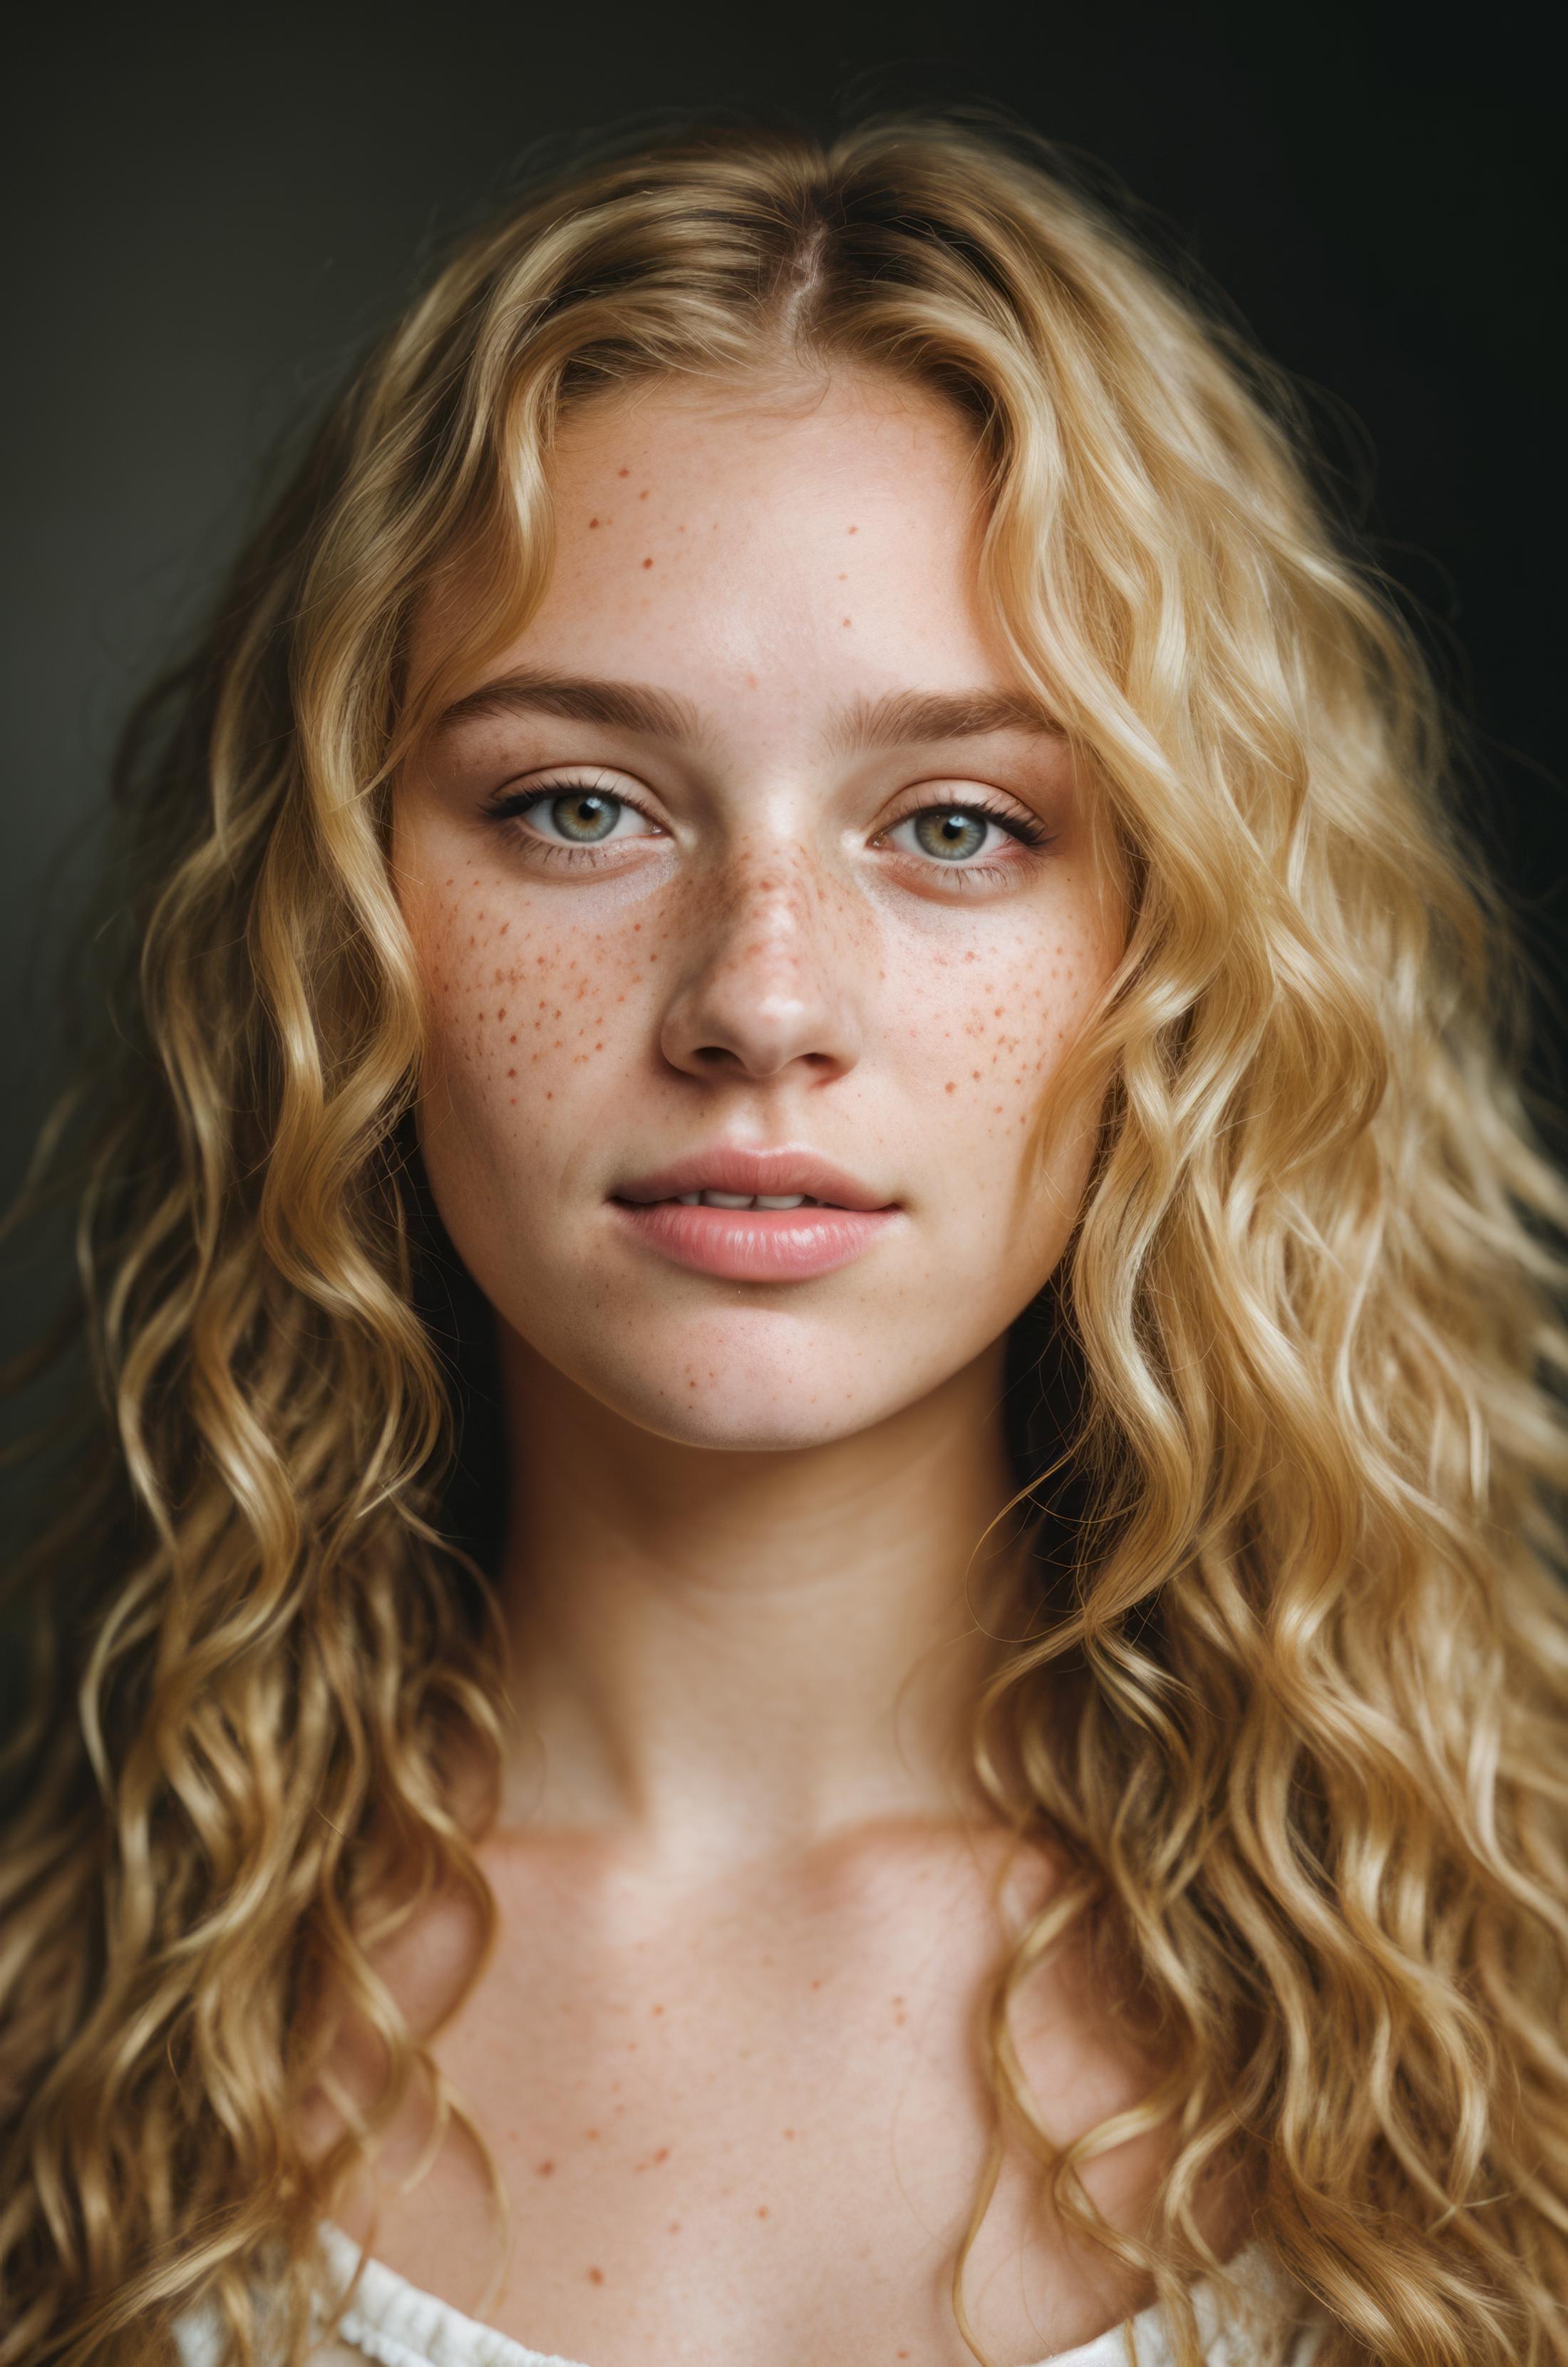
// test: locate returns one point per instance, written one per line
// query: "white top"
(395, 2324)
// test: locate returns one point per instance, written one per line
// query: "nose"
(769, 985)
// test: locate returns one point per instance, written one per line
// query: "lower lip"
(754, 1244)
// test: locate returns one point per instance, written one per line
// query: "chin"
(741, 1393)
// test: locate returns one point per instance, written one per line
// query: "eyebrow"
(908, 715)
(577, 698)
(900, 720)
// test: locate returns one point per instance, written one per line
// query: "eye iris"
(585, 815)
(951, 832)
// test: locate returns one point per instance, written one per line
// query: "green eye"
(584, 816)
(951, 832)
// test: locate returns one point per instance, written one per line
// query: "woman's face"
(746, 868)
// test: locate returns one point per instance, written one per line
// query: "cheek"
(526, 1010)
(989, 1023)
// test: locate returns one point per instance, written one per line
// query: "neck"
(723, 1655)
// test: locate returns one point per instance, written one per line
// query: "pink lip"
(730, 1168)
(754, 1244)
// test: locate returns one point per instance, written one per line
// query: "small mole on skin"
(761, 2209)
(643, 495)
(595, 2276)
(789, 2133)
(591, 524)
(545, 2169)
(623, 472)
(662, 2154)
(592, 2132)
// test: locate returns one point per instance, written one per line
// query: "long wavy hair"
(1294, 1695)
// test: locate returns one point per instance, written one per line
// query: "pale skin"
(749, 1890)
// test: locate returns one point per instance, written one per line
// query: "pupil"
(952, 834)
(587, 815)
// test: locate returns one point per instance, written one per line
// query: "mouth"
(732, 1178)
(745, 1215)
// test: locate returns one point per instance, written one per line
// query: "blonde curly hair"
(1295, 1705)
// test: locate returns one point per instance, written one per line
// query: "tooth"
(781, 1199)
(726, 1199)
(690, 1199)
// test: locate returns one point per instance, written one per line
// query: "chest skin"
(744, 2123)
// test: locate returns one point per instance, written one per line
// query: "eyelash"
(512, 806)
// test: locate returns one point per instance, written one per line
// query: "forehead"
(799, 543)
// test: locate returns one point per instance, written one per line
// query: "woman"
(798, 879)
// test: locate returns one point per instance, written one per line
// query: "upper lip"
(774, 1174)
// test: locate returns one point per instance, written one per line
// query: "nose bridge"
(772, 904)
(767, 981)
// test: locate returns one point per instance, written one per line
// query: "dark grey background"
(212, 210)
